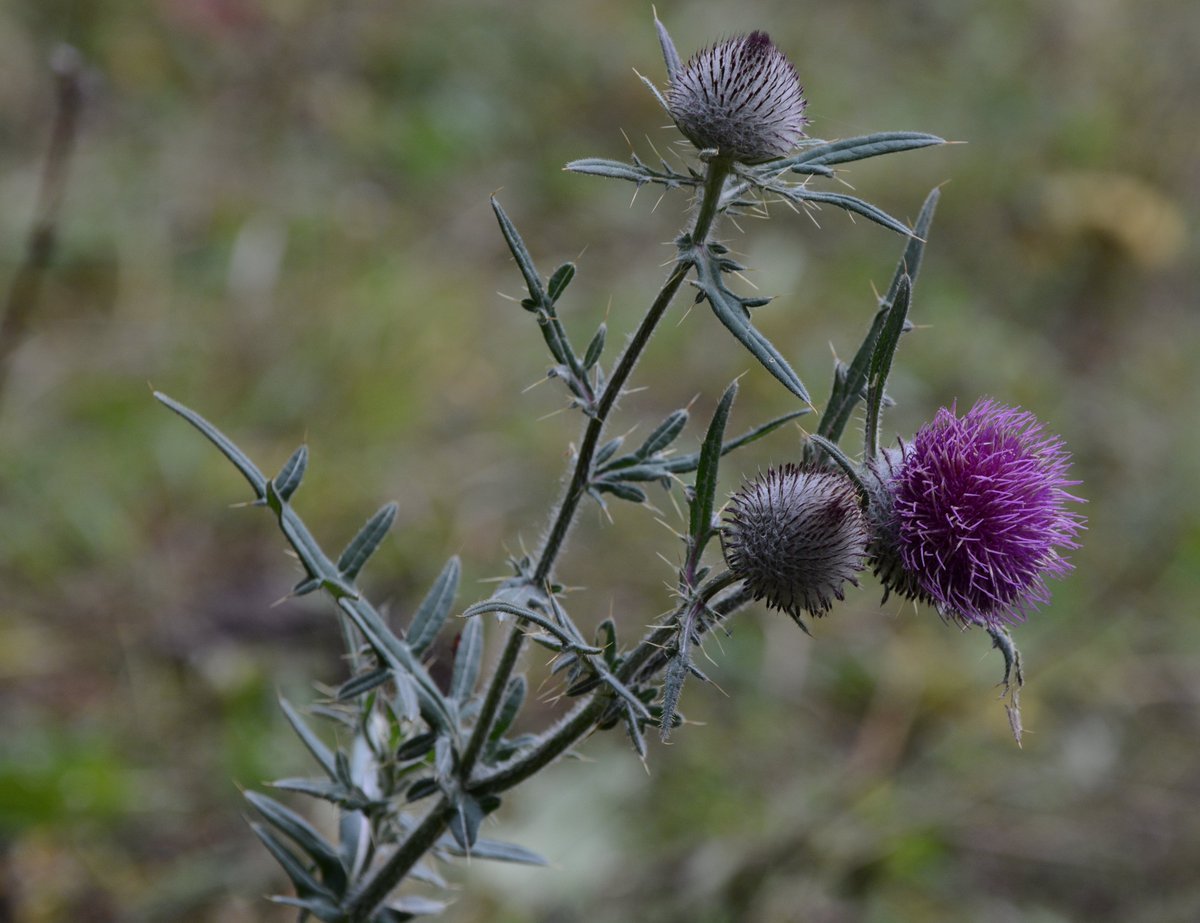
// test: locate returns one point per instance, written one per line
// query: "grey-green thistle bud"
(795, 536)
(740, 97)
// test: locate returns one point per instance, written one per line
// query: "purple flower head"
(978, 516)
(741, 97)
(794, 536)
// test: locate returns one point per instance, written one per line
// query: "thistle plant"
(970, 516)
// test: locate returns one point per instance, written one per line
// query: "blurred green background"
(278, 214)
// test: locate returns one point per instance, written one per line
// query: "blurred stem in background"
(25, 289)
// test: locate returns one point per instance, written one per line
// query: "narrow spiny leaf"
(364, 544)
(434, 608)
(292, 473)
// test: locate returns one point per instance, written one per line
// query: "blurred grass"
(278, 214)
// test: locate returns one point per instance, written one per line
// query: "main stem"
(578, 723)
(714, 182)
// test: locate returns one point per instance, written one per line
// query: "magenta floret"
(979, 512)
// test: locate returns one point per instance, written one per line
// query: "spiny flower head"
(978, 514)
(794, 536)
(741, 97)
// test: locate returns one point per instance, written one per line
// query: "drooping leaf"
(677, 671)
(851, 204)
(526, 614)
(733, 313)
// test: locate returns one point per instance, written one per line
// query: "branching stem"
(579, 722)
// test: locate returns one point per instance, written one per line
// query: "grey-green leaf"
(434, 608)
(306, 885)
(529, 615)
(864, 146)
(851, 382)
(501, 852)
(597, 166)
(670, 55)
(248, 469)
(559, 280)
(736, 318)
(510, 706)
(292, 473)
(517, 246)
(624, 491)
(315, 745)
(706, 472)
(361, 684)
(664, 434)
(467, 661)
(364, 544)
(851, 204)
(595, 348)
(881, 363)
(682, 464)
(304, 835)
(464, 820)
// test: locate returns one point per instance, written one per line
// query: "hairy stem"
(582, 720)
(647, 659)
(710, 199)
(499, 682)
(418, 842)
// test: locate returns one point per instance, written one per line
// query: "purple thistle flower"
(741, 97)
(794, 536)
(977, 517)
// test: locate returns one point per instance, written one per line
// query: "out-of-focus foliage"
(278, 212)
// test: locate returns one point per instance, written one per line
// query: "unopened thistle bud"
(795, 536)
(740, 97)
(972, 517)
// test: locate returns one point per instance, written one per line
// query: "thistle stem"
(418, 842)
(581, 721)
(647, 658)
(710, 199)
